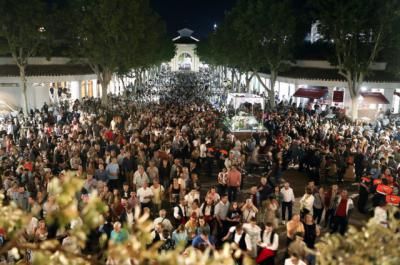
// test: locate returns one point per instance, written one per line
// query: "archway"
(185, 62)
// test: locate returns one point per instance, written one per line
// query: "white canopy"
(236, 99)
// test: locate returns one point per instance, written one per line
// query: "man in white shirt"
(287, 201)
(307, 202)
(139, 177)
(145, 194)
(162, 219)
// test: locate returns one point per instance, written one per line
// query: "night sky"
(198, 15)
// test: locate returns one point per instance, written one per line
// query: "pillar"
(296, 99)
(76, 89)
(389, 94)
(95, 88)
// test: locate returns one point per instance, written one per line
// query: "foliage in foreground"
(370, 245)
(133, 251)
(373, 244)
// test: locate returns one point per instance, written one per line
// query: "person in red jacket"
(344, 205)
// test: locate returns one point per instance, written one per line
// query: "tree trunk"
(233, 75)
(239, 83)
(225, 73)
(271, 92)
(22, 76)
(271, 99)
(106, 76)
(354, 108)
(354, 89)
(248, 80)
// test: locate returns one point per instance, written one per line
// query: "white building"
(318, 80)
(185, 58)
(314, 34)
(41, 75)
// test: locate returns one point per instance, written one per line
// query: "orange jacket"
(393, 200)
(384, 189)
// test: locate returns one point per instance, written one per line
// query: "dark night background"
(200, 15)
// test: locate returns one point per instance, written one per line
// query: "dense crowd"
(162, 157)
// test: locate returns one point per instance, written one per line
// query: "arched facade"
(185, 58)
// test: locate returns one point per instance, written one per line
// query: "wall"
(11, 95)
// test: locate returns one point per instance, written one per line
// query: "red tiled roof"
(311, 92)
(47, 70)
(311, 73)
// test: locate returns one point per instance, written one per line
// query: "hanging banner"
(338, 96)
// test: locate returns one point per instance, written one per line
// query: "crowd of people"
(174, 160)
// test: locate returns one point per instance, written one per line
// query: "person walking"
(287, 201)
(234, 179)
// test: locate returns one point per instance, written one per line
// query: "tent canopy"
(236, 99)
(374, 98)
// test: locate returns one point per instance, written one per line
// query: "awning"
(236, 99)
(315, 92)
(374, 98)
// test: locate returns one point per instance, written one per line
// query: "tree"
(266, 29)
(158, 46)
(256, 35)
(25, 27)
(114, 36)
(359, 32)
(221, 49)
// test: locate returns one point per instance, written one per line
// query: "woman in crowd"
(174, 191)
(180, 236)
(269, 245)
(292, 227)
(311, 231)
(234, 215)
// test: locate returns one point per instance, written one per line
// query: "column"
(347, 101)
(95, 88)
(76, 89)
(389, 94)
(296, 99)
(330, 94)
(86, 88)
